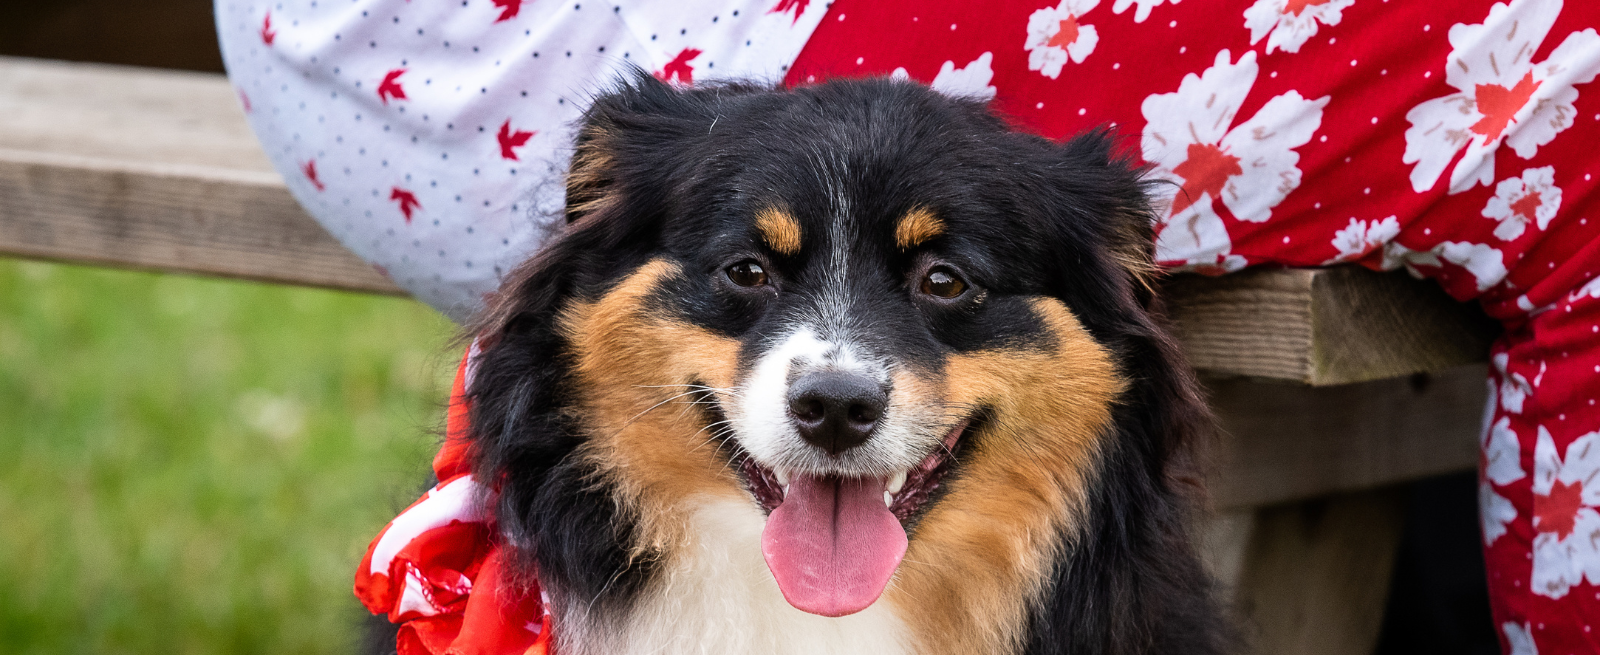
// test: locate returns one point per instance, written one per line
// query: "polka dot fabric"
(431, 138)
(1451, 139)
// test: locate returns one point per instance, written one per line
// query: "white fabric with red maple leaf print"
(1360, 238)
(1055, 35)
(970, 81)
(1502, 465)
(1566, 492)
(431, 138)
(1531, 198)
(1190, 138)
(1502, 96)
(1519, 638)
(1288, 24)
(1142, 9)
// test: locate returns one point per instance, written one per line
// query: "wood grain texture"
(243, 225)
(125, 114)
(155, 170)
(1324, 326)
(1315, 575)
(1284, 442)
(158, 169)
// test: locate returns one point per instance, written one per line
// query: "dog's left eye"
(747, 273)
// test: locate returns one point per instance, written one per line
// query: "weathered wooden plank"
(1314, 575)
(233, 223)
(158, 169)
(1324, 326)
(1284, 442)
(125, 114)
(152, 169)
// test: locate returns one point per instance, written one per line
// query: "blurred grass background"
(193, 465)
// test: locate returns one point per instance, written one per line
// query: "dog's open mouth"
(831, 542)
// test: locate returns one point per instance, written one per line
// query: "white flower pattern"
(1496, 511)
(1501, 97)
(1532, 197)
(970, 81)
(1201, 243)
(1055, 35)
(1520, 637)
(1590, 290)
(1502, 465)
(1251, 168)
(1362, 237)
(1143, 11)
(1566, 550)
(1515, 387)
(1486, 263)
(1502, 454)
(1291, 22)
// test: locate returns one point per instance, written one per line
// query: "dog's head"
(863, 310)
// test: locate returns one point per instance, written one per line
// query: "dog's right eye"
(747, 273)
(944, 283)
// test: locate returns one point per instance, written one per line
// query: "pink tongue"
(832, 545)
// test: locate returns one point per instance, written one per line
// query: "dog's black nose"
(836, 411)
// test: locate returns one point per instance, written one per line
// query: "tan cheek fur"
(983, 553)
(628, 366)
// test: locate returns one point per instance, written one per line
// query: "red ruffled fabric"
(435, 569)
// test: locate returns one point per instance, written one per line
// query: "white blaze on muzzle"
(832, 544)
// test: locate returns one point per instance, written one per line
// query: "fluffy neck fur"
(714, 595)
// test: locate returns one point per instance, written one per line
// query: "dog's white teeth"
(782, 476)
(896, 483)
(888, 499)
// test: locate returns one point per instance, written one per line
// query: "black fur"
(678, 173)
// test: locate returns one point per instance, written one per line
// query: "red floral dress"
(1453, 139)
(1456, 140)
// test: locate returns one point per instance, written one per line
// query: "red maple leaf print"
(1558, 511)
(1205, 171)
(408, 202)
(509, 140)
(1528, 205)
(1067, 34)
(244, 98)
(1499, 105)
(267, 35)
(679, 68)
(1295, 7)
(509, 9)
(785, 6)
(390, 86)
(310, 169)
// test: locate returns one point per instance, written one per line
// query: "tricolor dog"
(849, 368)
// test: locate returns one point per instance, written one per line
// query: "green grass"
(196, 466)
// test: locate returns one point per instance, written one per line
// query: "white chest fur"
(718, 598)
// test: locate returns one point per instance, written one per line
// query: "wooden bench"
(1330, 384)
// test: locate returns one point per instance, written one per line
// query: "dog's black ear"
(633, 136)
(1122, 197)
(634, 141)
(549, 514)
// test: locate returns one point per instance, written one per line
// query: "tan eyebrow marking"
(781, 231)
(917, 226)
